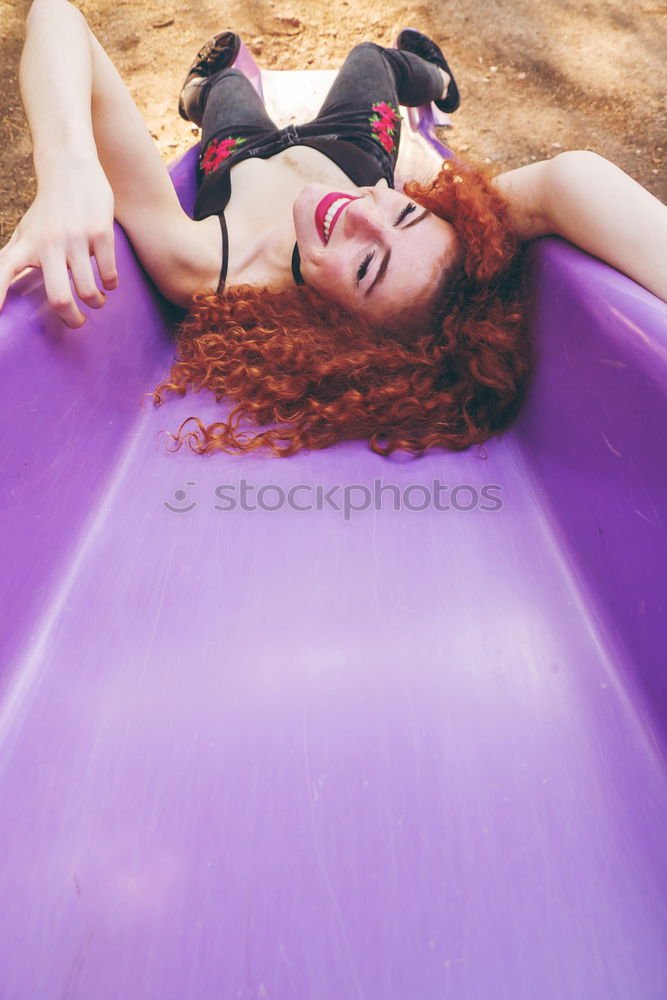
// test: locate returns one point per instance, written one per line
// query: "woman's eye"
(363, 267)
(410, 207)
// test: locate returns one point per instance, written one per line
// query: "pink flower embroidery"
(383, 124)
(217, 152)
(387, 142)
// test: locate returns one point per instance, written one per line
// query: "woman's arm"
(92, 153)
(72, 215)
(595, 205)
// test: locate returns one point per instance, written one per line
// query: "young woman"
(321, 299)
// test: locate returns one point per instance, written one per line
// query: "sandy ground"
(536, 76)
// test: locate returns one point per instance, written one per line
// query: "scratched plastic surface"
(321, 754)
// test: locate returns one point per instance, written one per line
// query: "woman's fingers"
(84, 279)
(59, 291)
(55, 261)
(103, 249)
(12, 262)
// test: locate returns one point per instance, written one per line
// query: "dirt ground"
(536, 76)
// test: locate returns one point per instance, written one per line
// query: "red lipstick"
(324, 206)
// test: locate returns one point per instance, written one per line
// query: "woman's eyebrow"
(385, 261)
(413, 222)
(380, 272)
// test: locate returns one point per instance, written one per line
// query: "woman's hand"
(70, 220)
(94, 157)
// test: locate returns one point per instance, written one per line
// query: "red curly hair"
(322, 375)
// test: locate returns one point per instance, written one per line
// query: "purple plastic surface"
(298, 754)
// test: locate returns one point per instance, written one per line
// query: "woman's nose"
(361, 218)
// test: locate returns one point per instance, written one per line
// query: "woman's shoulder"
(525, 190)
(182, 256)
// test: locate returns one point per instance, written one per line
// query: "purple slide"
(335, 727)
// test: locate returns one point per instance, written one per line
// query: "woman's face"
(372, 250)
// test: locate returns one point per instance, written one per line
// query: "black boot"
(218, 53)
(411, 40)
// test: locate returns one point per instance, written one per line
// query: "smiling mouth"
(328, 211)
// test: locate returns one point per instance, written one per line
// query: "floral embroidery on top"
(217, 151)
(383, 124)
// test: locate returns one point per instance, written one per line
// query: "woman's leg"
(233, 114)
(222, 101)
(362, 105)
(371, 74)
(232, 105)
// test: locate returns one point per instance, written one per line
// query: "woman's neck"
(259, 213)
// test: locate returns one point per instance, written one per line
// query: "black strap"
(225, 253)
(296, 265)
